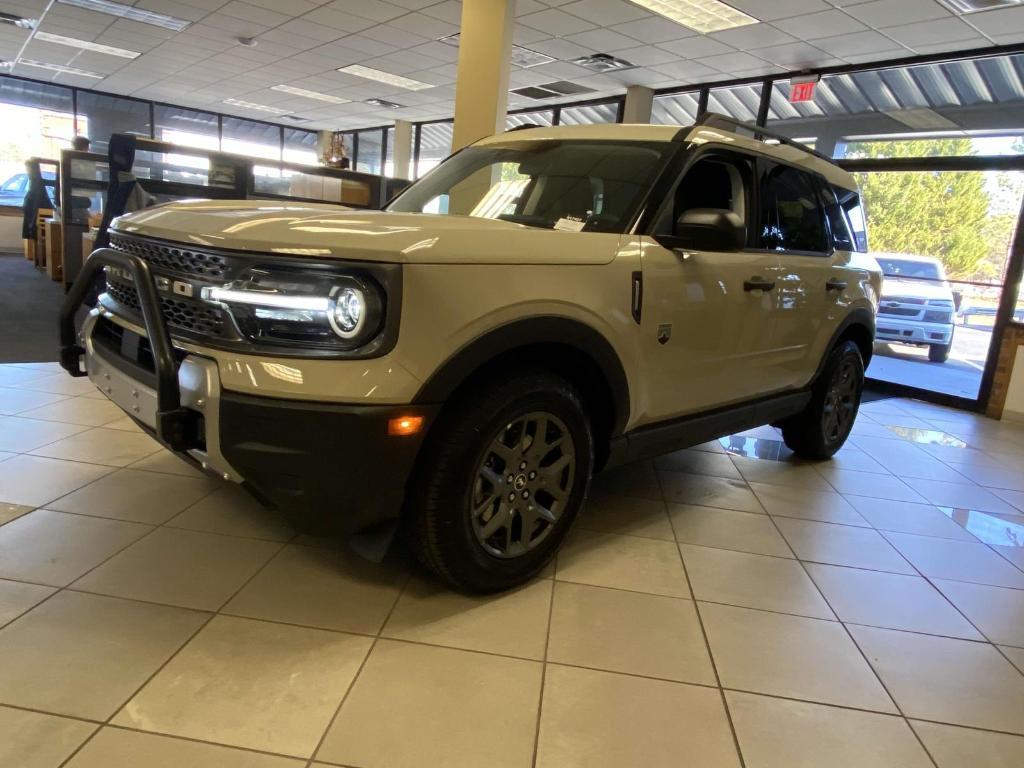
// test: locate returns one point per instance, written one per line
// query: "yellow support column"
(481, 86)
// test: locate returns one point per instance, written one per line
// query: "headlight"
(297, 307)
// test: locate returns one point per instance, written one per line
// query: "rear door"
(796, 224)
(707, 320)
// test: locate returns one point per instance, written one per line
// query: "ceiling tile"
(601, 40)
(827, 24)
(779, 9)
(754, 36)
(604, 12)
(885, 13)
(1008, 21)
(654, 29)
(696, 47)
(930, 32)
(859, 43)
(796, 56)
(556, 23)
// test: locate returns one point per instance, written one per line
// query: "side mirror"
(710, 229)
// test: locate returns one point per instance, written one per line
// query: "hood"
(921, 289)
(329, 231)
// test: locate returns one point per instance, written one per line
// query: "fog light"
(405, 425)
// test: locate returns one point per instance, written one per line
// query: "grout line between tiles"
(707, 641)
(544, 663)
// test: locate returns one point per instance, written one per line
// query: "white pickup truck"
(916, 305)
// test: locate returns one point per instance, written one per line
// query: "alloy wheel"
(841, 402)
(523, 483)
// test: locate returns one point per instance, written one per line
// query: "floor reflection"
(756, 448)
(931, 436)
(990, 527)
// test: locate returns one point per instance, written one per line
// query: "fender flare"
(521, 333)
(859, 316)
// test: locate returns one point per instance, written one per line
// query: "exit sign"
(802, 91)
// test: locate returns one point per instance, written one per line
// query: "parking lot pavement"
(960, 375)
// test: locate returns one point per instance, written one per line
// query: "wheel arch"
(568, 347)
(858, 327)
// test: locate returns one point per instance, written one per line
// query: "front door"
(708, 316)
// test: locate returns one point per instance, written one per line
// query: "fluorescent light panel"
(85, 45)
(60, 68)
(310, 94)
(257, 107)
(128, 12)
(702, 15)
(384, 77)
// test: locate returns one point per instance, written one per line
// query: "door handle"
(758, 284)
(835, 285)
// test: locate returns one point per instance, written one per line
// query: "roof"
(699, 134)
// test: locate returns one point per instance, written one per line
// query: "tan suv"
(545, 304)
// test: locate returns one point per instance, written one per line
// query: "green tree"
(940, 214)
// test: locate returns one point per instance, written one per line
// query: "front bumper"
(329, 463)
(912, 332)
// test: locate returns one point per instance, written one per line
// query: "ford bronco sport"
(544, 304)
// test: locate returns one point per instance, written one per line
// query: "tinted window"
(842, 237)
(855, 215)
(718, 180)
(791, 217)
(910, 269)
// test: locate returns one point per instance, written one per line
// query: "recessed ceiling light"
(60, 68)
(602, 62)
(521, 57)
(383, 103)
(128, 12)
(384, 77)
(257, 107)
(85, 45)
(702, 15)
(17, 21)
(310, 94)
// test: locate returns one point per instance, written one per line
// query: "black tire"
(491, 417)
(822, 428)
(939, 353)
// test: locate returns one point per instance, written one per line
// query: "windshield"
(14, 184)
(592, 186)
(910, 270)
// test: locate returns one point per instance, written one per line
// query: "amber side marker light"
(405, 425)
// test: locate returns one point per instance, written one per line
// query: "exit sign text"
(801, 92)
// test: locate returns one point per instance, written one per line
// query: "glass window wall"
(435, 146)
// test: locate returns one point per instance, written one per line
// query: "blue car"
(13, 191)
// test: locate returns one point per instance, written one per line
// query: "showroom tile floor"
(720, 606)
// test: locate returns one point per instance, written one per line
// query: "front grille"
(175, 265)
(173, 257)
(906, 299)
(899, 311)
(179, 315)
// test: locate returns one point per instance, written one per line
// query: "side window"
(855, 215)
(791, 215)
(842, 237)
(719, 180)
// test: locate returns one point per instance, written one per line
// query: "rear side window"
(842, 237)
(855, 216)
(791, 215)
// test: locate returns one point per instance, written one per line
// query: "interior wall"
(10, 232)
(1014, 405)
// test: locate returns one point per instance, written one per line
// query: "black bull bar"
(174, 424)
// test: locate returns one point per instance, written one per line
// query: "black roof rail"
(522, 127)
(731, 124)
